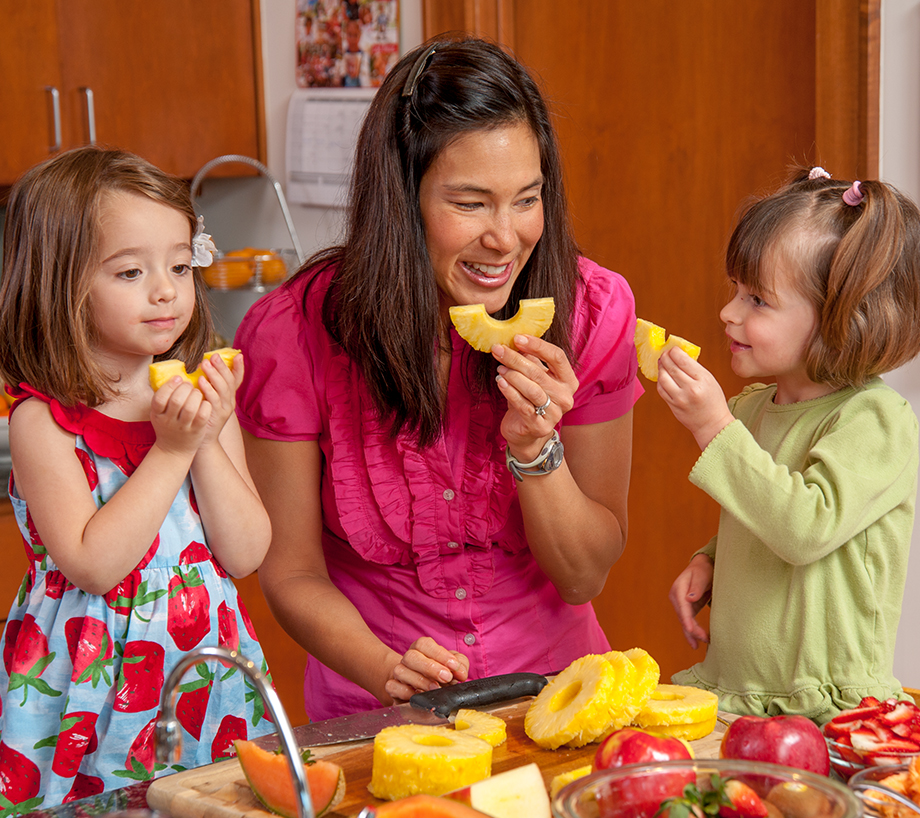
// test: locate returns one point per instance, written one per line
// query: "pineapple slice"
(481, 331)
(650, 345)
(162, 371)
(679, 710)
(418, 758)
(575, 707)
(647, 675)
(622, 702)
(482, 725)
(564, 779)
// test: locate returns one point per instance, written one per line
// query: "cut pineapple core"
(482, 725)
(481, 331)
(418, 758)
(575, 707)
(651, 345)
(681, 711)
(162, 371)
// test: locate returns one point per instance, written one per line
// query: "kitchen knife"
(431, 707)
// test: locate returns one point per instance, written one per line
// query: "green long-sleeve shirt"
(811, 555)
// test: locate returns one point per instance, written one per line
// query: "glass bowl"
(847, 761)
(878, 799)
(636, 790)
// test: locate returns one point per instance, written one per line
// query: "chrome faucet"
(169, 734)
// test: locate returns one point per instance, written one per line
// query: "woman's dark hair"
(383, 304)
(858, 264)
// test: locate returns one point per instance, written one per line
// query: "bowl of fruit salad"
(709, 787)
(875, 734)
(890, 791)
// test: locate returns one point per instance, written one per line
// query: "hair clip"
(853, 196)
(818, 172)
(418, 69)
(203, 248)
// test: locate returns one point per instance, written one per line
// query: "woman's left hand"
(539, 384)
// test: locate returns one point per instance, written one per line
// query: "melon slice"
(651, 345)
(162, 371)
(269, 777)
(481, 331)
(423, 806)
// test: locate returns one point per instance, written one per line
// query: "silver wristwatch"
(549, 459)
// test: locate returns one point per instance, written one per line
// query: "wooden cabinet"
(176, 81)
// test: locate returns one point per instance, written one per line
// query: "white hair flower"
(818, 173)
(203, 248)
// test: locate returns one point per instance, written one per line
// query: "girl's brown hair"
(383, 305)
(50, 248)
(858, 265)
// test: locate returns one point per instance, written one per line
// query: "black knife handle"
(479, 692)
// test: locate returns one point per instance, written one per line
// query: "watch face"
(554, 461)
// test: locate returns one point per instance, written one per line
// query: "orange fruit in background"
(228, 272)
(274, 270)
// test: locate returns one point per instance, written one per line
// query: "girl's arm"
(575, 517)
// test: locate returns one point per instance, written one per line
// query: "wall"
(900, 165)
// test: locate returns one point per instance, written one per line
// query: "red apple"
(639, 796)
(793, 741)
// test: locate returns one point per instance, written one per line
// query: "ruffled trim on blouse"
(125, 443)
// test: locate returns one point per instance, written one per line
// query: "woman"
(405, 554)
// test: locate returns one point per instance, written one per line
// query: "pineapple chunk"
(679, 710)
(481, 331)
(564, 779)
(651, 345)
(162, 371)
(418, 758)
(575, 707)
(482, 725)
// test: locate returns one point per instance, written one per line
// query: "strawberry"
(141, 678)
(199, 552)
(83, 787)
(189, 618)
(130, 594)
(20, 781)
(89, 468)
(29, 659)
(193, 701)
(75, 739)
(141, 763)
(901, 713)
(90, 649)
(56, 585)
(228, 634)
(230, 729)
(745, 803)
(870, 746)
(247, 621)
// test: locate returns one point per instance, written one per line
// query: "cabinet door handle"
(90, 115)
(56, 117)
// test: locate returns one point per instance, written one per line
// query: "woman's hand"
(426, 666)
(219, 386)
(528, 377)
(689, 594)
(694, 396)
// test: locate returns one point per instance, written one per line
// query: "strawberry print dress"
(82, 674)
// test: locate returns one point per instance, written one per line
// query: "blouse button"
(460, 593)
(469, 639)
(453, 544)
(448, 494)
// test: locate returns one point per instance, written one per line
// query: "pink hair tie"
(853, 195)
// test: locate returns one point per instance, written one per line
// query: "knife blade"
(432, 707)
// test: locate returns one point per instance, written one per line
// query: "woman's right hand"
(425, 666)
(689, 594)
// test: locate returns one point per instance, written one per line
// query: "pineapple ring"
(482, 725)
(678, 704)
(162, 371)
(687, 732)
(648, 674)
(574, 708)
(420, 758)
(651, 345)
(564, 779)
(481, 331)
(623, 705)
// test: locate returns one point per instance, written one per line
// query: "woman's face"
(482, 207)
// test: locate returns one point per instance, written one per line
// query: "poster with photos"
(346, 43)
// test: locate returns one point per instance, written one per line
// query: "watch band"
(549, 459)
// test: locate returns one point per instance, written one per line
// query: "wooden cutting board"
(220, 790)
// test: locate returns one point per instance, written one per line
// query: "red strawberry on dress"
(193, 700)
(75, 739)
(20, 781)
(247, 621)
(189, 619)
(130, 594)
(83, 787)
(228, 635)
(141, 763)
(56, 585)
(90, 648)
(231, 728)
(199, 552)
(141, 678)
(29, 659)
(89, 468)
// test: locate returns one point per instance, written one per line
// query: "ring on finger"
(541, 410)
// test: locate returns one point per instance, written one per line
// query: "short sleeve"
(604, 339)
(279, 398)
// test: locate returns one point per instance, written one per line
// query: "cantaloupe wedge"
(269, 777)
(651, 345)
(162, 371)
(481, 331)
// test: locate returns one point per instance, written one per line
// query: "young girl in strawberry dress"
(134, 505)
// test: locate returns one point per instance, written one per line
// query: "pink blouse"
(429, 542)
